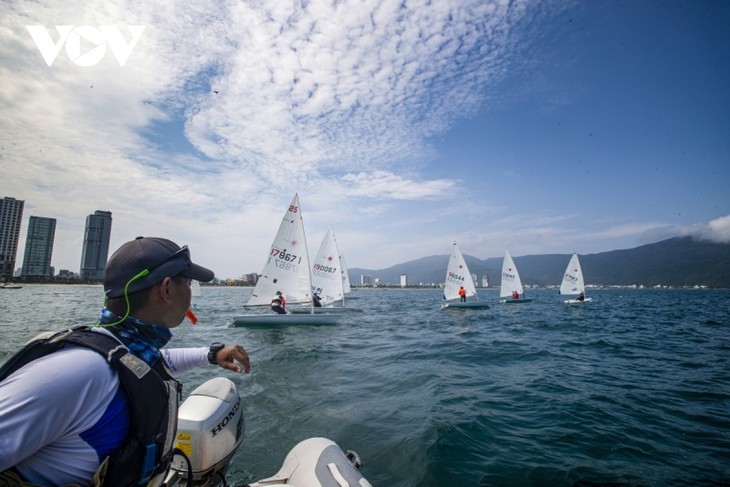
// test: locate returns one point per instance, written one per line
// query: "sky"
(533, 126)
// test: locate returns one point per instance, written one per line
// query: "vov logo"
(99, 37)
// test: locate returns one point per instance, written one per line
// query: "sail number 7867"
(285, 260)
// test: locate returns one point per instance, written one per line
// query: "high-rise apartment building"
(96, 244)
(39, 246)
(11, 214)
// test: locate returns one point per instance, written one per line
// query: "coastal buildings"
(11, 214)
(39, 246)
(96, 244)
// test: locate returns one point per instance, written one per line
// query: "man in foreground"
(99, 403)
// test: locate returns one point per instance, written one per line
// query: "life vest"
(153, 395)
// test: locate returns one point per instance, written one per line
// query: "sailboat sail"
(573, 279)
(510, 278)
(457, 275)
(345, 276)
(326, 271)
(195, 291)
(287, 265)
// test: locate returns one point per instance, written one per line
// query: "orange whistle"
(191, 316)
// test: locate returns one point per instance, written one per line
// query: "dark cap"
(145, 261)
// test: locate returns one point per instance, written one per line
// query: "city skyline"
(534, 126)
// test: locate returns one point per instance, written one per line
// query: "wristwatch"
(215, 347)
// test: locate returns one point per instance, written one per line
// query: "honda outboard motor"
(210, 428)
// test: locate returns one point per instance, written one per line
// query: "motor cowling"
(210, 428)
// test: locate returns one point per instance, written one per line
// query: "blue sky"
(538, 127)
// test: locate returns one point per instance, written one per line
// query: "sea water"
(630, 389)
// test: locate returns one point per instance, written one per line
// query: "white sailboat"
(573, 284)
(327, 280)
(326, 274)
(286, 270)
(511, 288)
(457, 277)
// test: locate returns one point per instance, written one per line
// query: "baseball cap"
(154, 258)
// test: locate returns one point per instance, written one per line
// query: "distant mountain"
(680, 261)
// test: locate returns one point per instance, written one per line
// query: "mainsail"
(287, 265)
(510, 278)
(457, 275)
(573, 279)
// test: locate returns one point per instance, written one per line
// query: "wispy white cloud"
(225, 109)
(339, 97)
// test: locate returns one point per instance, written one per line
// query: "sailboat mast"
(306, 251)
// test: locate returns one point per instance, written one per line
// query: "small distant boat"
(10, 286)
(286, 270)
(458, 276)
(195, 292)
(511, 284)
(573, 284)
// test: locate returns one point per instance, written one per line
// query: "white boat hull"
(468, 304)
(287, 319)
(577, 301)
(515, 301)
(323, 310)
(317, 462)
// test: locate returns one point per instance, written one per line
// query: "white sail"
(573, 279)
(287, 265)
(345, 276)
(457, 275)
(510, 278)
(326, 271)
(195, 291)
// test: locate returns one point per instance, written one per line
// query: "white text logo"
(100, 38)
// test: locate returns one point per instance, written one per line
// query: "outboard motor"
(210, 428)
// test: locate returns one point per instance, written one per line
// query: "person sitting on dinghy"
(96, 404)
(316, 300)
(581, 297)
(462, 294)
(278, 304)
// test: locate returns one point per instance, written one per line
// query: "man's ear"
(166, 288)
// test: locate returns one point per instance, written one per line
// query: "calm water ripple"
(631, 389)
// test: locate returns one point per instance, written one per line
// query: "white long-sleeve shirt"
(56, 410)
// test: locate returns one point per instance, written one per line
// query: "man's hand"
(227, 357)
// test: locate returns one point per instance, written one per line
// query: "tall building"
(96, 244)
(39, 246)
(11, 214)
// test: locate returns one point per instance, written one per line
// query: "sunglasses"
(183, 253)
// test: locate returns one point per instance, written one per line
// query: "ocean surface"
(630, 389)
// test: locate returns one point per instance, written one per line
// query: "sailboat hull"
(324, 310)
(515, 301)
(468, 305)
(576, 301)
(284, 320)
